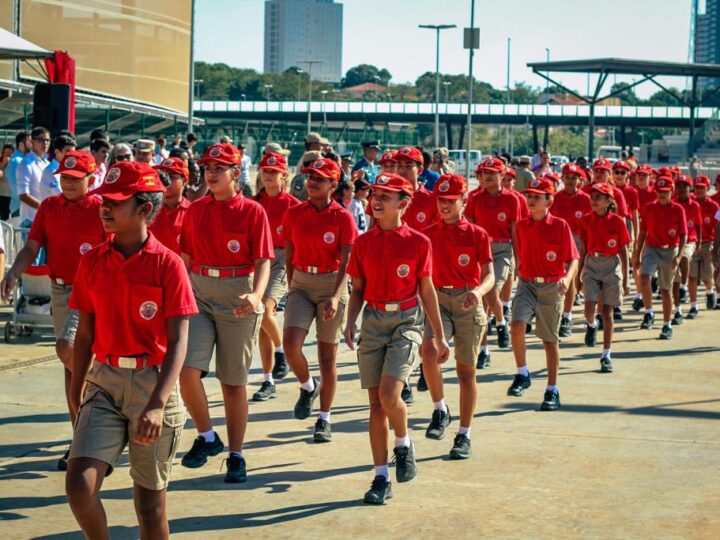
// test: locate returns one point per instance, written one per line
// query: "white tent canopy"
(14, 47)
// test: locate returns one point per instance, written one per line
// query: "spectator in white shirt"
(245, 163)
(99, 148)
(162, 152)
(29, 174)
(50, 182)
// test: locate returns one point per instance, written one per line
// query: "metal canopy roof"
(13, 47)
(629, 67)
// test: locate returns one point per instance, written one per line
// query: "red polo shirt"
(230, 233)
(167, 226)
(459, 251)
(544, 247)
(494, 213)
(318, 236)
(645, 197)
(422, 211)
(708, 210)
(522, 201)
(631, 198)
(275, 208)
(67, 230)
(571, 207)
(715, 197)
(603, 234)
(663, 224)
(391, 263)
(132, 298)
(693, 216)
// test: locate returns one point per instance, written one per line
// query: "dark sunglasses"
(39, 139)
(123, 157)
(620, 171)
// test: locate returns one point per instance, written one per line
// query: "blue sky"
(385, 33)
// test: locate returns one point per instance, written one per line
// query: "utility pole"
(471, 41)
(191, 100)
(310, 64)
(437, 28)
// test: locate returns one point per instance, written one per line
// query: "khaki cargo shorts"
(688, 253)
(216, 328)
(277, 284)
(107, 422)
(306, 298)
(503, 262)
(65, 320)
(542, 300)
(659, 260)
(467, 328)
(701, 264)
(389, 344)
(602, 277)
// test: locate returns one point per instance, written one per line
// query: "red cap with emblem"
(572, 168)
(393, 182)
(327, 168)
(491, 165)
(77, 164)
(605, 189)
(552, 176)
(643, 168)
(174, 165)
(387, 157)
(701, 180)
(222, 153)
(683, 179)
(411, 153)
(273, 162)
(542, 185)
(601, 164)
(622, 165)
(126, 178)
(664, 171)
(450, 186)
(510, 172)
(664, 183)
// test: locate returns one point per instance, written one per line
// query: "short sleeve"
(80, 299)
(37, 230)
(348, 230)
(682, 226)
(482, 242)
(355, 264)
(178, 296)
(424, 258)
(262, 244)
(624, 235)
(568, 243)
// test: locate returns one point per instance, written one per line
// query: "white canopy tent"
(14, 47)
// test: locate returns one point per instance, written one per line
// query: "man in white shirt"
(50, 182)
(99, 148)
(245, 163)
(29, 174)
(162, 153)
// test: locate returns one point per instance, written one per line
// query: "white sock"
(651, 311)
(238, 454)
(606, 352)
(693, 305)
(567, 315)
(678, 310)
(683, 287)
(267, 377)
(402, 441)
(552, 388)
(382, 470)
(440, 405)
(592, 324)
(279, 349)
(209, 436)
(506, 304)
(667, 323)
(308, 385)
(485, 349)
(464, 431)
(638, 296)
(324, 416)
(501, 322)
(523, 371)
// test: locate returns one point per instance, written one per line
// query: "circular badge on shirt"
(403, 270)
(215, 152)
(464, 259)
(672, 232)
(444, 186)
(691, 223)
(551, 256)
(329, 237)
(148, 310)
(578, 214)
(502, 216)
(612, 243)
(113, 175)
(71, 162)
(233, 246)
(706, 220)
(421, 216)
(84, 248)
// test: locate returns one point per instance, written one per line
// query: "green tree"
(365, 73)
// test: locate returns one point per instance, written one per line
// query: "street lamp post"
(324, 94)
(437, 28)
(267, 91)
(447, 84)
(299, 74)
(310, 64)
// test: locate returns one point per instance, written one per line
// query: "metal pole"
(470, 96)
(507, 86)
(693, 105)
(191, 100)
(437, 87)
(591, 131)
(309, 118)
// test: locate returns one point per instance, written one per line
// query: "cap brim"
(391, 189)
(204, 160)
(449, 196)
(310, 170)
(118, 196)
(490, 169)
(601, 169)
(273, 168)
(538, 191)
(74, 173)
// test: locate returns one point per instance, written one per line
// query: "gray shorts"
(701, 264)
(503, 262)
(306, 298)
(65, 320)
(602, 277)
(659, 260)
(543, 300)
(688, 253)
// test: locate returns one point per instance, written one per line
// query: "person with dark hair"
(191, 140)
(22, 147)
(29, 173)
(179, 152)
(367, 163)
(100, 148)
(174, 175)
(196, 187)
(162, 153)
(343, 193)
(5, 192)
(50, 181)
(98, 133)
(428, 177)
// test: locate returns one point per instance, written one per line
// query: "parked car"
(458, 157)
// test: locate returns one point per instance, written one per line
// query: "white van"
(614, 153)
(458, 157)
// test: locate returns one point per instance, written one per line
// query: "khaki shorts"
(65, 320)
(602, 277)
(306, 297)
(216, 328)
(503, 262)
(466, 327)
(542, 300)
(701, 264)
(389, 344)
(688, 253)
(277, 284)
(659, 260)
(106, 423)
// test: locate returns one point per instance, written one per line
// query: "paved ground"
(631, 454)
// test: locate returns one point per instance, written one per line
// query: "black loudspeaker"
(51, 107)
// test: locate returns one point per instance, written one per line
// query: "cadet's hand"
(248, 304)
(676, 261)
(626, 287)
(563, 286)
(472, 299)
(349, 333)
(635, 259)
(149, 426)
(7, 286)
(360, 173)
(330, 308)
(443, 350)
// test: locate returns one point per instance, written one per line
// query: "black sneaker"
(422, 383)
(565, 327)
(710, 300)
(600, 322)
(606, 365)
(281, 369)
(503, 336)
(236, 470)
(693, 313)
(491, 325)
(590, 335)
(461, 447)
(405, 466)
(654, 284)
(322, 432)
(506, 312)
(380, 489)
(578, 300)
(617, 314)
(267, 391)
(407, 394)
(519, 385)
(677, 319)
(303, 407)
(637, 304)
(440, 420)
(483, 360)
(683, 295)
(666, 332)
(648, 321)
(62, 463)
(551, 401)
(201, 449)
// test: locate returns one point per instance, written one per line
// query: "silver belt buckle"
(213, 272)
(59, 281)
(312, 269)
(392, 307)
(127, 362)
(540, 280)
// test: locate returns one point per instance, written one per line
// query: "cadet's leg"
(83, 481)
(468, 393)
(151, 512)
(327, 360)
(431, 369)
(393, 406)
(552, 355)
(378, 428)
(193, 394)
(608, 325)
(236, 413)
(293, 340)
(517, 333)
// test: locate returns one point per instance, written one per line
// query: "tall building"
(706, 48)
(297, 30)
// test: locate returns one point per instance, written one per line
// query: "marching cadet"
(621, 180)
(646, 195)
(319, 234)
(391, 265)
(701, 265)
(663, 233)
(547, 259)
(387, 162)
(167, 227)
(134, 299)
(507, 289)
(693, 215)
(67, 225)
(603, 266)
(227, 245)
(276, 201)
(462, 275)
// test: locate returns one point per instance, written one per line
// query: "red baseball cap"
(572, 168)
(601, 163)
(622, 165)
(664, 171)
(491, 165)
(272, 161)
(387, 157)
(450, 186)
(664, 183)
(126, 178)
(605, 189)
(327, 168)
(684, 179)
(411, 153)
(552, 176)
(675, 169)
(174, 165)
(393, 182)
(77, 164)
(701, 180)
(222, 153)
(643, 168)
(542, 185)
(510, 172)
